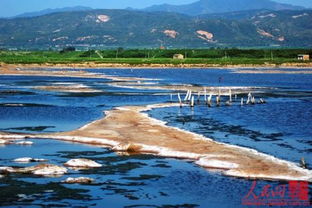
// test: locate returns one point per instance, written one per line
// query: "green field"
(156, 56)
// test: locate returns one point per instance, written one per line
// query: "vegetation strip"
(162, 58)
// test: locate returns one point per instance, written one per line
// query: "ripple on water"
(134, 180)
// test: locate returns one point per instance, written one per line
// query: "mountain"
(237, 15)
(137, 29)
(304, 3)
(50, 11)
(221, 6)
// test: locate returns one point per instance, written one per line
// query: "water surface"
(281, 128)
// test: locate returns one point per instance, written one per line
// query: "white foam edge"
(291, 165)
(64, 83)
(87, 140)
(239, 174)
(116, 78)
(78, 139)
(89, 124)
(161, 151)
(214, 163)
(73, 75)
(251, 88)
(28, 160)
(202, 160)
(166, 152)
(23, 160)
(6, 169)
(24, 143)
(127, 86)
(12, 136)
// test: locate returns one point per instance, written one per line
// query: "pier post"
(192, 102)
(230, 95)
(209, 100)
(253, 100)
(190, 96)
(218, 98)
(249, 98)
(180, 101)
(186, 96)
(262, 101)
(198, 97)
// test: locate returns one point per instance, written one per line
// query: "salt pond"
(280, 128)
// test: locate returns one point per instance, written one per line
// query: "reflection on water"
(282, 128)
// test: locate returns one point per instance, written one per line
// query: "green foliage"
(68, 49)
(89, 53)
(157, 56)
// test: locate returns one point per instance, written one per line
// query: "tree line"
(197, 53)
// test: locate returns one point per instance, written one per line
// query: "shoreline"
(130, 129)
(67, 69)
(94, 65)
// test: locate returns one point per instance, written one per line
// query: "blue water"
(282, 128)
(123, 181)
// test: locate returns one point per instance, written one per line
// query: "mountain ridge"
(221, 6)
(50, 11)
(139, 29)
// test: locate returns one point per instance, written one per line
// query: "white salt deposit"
(83, 180)
(28, 160)
(3, 141)
(24, 143)
(48, 169)
(6, 169)
(213, 163)
(84, 163)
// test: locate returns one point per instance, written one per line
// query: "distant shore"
(254, 68)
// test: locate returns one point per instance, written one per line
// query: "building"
(178, 56)
(304, 57)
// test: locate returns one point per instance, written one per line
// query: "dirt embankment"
(11, 67)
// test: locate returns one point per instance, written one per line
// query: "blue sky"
(15, 7)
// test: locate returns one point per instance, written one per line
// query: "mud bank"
(60, 71)
(93, 65)
(130, 129)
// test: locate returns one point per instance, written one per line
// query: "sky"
(10, 8)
